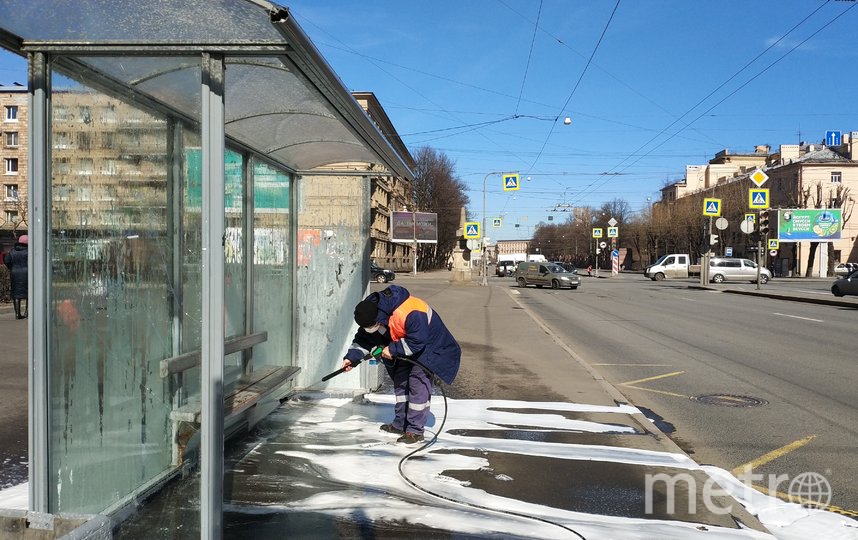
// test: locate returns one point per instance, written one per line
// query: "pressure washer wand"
(374, 354)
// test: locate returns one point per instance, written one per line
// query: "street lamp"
(485, 264)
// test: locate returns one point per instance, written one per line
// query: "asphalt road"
(667, 344)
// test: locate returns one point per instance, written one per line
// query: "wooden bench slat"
(186, 361)
(247, 392)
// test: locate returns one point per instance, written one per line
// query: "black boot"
(16, 302)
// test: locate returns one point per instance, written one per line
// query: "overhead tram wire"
(605, 71)
(529, 56)
(580, 78)
(417, 92)
(722, 85)
(746, 83)
(704, 113)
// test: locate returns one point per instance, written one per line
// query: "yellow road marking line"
(657, 391)
(652, 378)
(773, 455)
(636, 365)
(805, 502)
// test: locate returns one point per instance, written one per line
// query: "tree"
(436, 188)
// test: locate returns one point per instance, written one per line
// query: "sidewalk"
(535, 444)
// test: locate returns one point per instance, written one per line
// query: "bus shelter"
(198, 208)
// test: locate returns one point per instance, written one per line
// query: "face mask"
(372, 329)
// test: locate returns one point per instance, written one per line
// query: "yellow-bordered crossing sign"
(758, 198)
(511, 182)
(711, 207)
(472, 229)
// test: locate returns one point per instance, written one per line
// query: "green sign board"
(809, 224)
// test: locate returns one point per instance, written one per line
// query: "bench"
(245, 393)
(239, 397)
(186, 361)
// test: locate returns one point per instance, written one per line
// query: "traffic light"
(764, 222)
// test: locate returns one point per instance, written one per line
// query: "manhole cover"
(730, 400)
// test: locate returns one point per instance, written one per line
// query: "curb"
(823, 301)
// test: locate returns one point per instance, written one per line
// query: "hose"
(434, 438)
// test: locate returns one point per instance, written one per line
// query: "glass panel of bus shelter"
(272, 266)
(333, 248)
(235, 263)
(111, 293)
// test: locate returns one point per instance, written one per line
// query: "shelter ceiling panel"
(172, 80)
(141, 21)
(319, 153)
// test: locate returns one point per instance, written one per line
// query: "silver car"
(846, 285)
(723, 269)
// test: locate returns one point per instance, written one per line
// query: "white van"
(675, 265)
(723, 269)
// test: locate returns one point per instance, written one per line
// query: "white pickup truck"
(672, 266)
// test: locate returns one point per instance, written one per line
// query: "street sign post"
(712, 207)
(758, 198)
(759, 177)
(833, 138)
(511, 182)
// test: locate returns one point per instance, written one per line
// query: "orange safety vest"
(396, 323)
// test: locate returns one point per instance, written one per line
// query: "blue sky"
(480, 81)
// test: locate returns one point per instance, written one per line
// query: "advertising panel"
(812, 224)
(404, 226)
(427, 227)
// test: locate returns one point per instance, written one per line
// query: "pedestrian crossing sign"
(711, 207)
(751, 217)
(597, 233)
(774, 243)
(758, 198)
(472, 229)
(496, 222)
(510, 182)
(613, 232)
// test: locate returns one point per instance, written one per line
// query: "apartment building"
(801, 176)
(390, 193)
(13, 156)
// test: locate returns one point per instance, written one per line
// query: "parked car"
(505, 268)
(846, 285)
(545, 273)
(844, 269)
(381, 275)
(723, 269)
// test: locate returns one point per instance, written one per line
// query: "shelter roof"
(282, 98)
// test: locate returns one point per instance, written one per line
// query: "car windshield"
(555, 268)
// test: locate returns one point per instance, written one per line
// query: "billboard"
(811, 224)
(411, 226)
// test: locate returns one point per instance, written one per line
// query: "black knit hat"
(365, 313)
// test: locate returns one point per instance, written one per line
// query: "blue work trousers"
(412, 387)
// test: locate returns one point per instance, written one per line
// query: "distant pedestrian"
(16, 261)
(590, 270)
